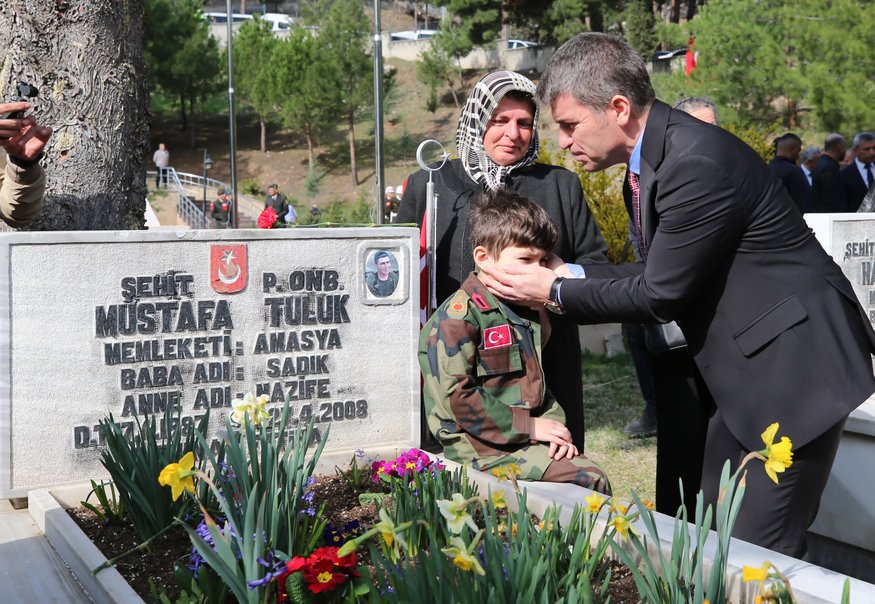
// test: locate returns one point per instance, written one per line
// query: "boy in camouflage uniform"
(484, 388)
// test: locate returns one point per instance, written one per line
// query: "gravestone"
(841, 540)
(130, 323)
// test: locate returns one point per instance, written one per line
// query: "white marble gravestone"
(846, 514)
(93, 323)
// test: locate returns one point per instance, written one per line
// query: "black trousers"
(683, 406)
(775, 516)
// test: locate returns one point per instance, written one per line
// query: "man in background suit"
(826, 190)
(807, 159)
(774, 326)
(783, 165)
(860, 173)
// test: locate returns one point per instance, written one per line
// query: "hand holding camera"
(19, 134)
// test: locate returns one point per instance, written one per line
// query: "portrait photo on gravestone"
(194, 324)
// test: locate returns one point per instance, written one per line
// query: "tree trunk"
(86, 58)
(263, 125)
(350, 121)
(675, 15)
(182, 113)
(692, 5)
(310, 157)
(242, 7)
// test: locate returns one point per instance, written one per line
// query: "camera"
(25, 92)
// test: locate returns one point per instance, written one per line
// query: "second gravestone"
(130, 323)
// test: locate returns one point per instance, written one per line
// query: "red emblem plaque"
(496, 337)
(228, 268)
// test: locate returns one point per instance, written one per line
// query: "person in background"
(807, 159)
(315, 212)
(497, 141)
(220, 209)
(859, 175)
(783, 165)
(700, 107)
(277, 201)
(389, 200)
(23, 182)
(161, 159)
(826, 190)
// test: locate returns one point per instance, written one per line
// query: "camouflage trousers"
(534, 463)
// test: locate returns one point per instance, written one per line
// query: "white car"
(515, 44)
(419, 34)
(278, 21)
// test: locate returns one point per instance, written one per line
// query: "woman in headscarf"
(497, 141)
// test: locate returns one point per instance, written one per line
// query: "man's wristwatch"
(552, 302)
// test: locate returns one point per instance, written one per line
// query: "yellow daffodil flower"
(455, 512)
(623, 526)
(178, 476)
(461, 557)
(498, 500)
(779, 456)
(253, 408)
(754, 573)
(648, 504)
(506, 471)
(390, 534)
(594, 503)
(617, 507)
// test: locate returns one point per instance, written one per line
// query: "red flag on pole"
(690, 56)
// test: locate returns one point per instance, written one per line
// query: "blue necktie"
(869, 176)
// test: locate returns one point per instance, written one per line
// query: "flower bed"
(436, 538)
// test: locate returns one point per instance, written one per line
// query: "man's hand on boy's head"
(520, 284)
(555, 433)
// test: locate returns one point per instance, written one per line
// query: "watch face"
(554, 307)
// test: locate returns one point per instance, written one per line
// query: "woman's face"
(509, 132)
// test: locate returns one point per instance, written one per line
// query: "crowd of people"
(832, 179)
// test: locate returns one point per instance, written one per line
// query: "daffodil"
(594, 503)
(754, 573)
(617, 507)
(251, 407)
(498, 500)
(507, 471)
(648, 504)
(178, 476)
(779, 456)
(623, 527)
(462, 558)
(391, 536)
(455, 512)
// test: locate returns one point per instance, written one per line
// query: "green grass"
(611, 399)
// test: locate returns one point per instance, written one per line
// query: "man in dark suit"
(783, 165)
(774, 326)
(826, 191)
(860, 173)
(807, 159)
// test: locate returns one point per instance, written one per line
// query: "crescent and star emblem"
(227, 264)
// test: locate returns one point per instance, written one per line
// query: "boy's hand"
(555, 433)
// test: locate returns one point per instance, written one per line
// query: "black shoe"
(643, 426)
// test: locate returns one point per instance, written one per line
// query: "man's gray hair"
(863, 137)
(691, 103)
(594, 67)
(809, 153)
(833, 142)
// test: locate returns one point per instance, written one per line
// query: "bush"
(250, 187)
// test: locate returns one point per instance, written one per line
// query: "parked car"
(514, 44)
(278, 21)
(670, 54)
(419, 34)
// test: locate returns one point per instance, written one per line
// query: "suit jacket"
(774, 326)
(793, 179)
(853, 187)
(826, 191)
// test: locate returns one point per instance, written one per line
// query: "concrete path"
(30, 570)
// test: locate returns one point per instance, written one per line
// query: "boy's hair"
(500, 219)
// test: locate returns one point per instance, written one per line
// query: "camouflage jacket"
(481, 364)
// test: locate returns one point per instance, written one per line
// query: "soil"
(142, 569)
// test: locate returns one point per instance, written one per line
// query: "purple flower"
(310, 481)
(360, 453)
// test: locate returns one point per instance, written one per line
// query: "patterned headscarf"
(478, 110)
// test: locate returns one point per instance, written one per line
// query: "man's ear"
(622, 107)
(480, 254)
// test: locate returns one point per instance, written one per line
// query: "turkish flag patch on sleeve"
(496, 337)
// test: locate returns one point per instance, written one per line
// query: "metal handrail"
(192, 215)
